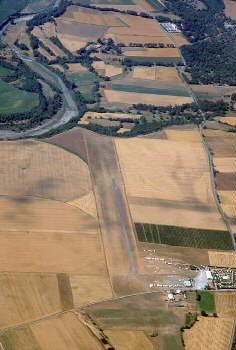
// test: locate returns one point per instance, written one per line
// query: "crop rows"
(183, 236)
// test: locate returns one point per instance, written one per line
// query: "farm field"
(227, 199)
(182, 135)
(215, 333)
(85, 82)
(34, 168)
(129, 340)
(153, 52)
(228, 120)
(162, 74)
(108, 70)
(176, 192)
(118, 86)
(134, 97)
(218, 258)
(221, 143)
(182, 236)
(13, 100)
(213, 92)
(230, 9)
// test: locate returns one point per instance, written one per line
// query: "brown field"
(230, 9)
(224, 165)
(162, 186)
(25, 297)
(166, 74)
(209, 333)
(72, 140)
(134, 97)
(129, 340)
(88, 289)
(182, 135)
(153, 52)
(222, 143)
(213, 92)
(225, 303)
(65, 332)
(33, 168)
(48, 236)
(228, 120)
(179, 39)
(58, 66)
(219, 258)
(225, 181)
(86, 203)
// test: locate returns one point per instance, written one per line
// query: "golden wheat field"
(71, 42)
(209, 333)
(88, 289)
(166, 74)
(219, 258)
(134, 97)
(183, 135)
(153, 52)
(129, 340)
(25, 297)
(225, 303)
(33, 168)
(139, 38)
(86, 203)
(228, 120)
(167, 181)
(227, 200)
(224, 164)
(65, 332)
(48, 236)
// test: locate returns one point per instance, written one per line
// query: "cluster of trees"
(211, 58)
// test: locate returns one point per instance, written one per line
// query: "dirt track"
(116, 225)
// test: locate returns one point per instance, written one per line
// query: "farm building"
(170, 27)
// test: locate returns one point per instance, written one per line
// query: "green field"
(4, 72)
(171, 342)
(13, 100)
(146, 90)
(157, 6)
(105, 2)
(86, 82)
(183, 236)
(158, 60)
(206, 303)
(39, 5)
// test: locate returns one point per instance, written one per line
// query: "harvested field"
(86, 203)
(25, 297)
(57, 66)
(72, 42)
(129, 340)
(153, 52)
(230, 9)
(225, 181)
(34, 168)
(165, 74)
(122, 130)
(228, 120)
(183, 135)
(100, 65)
(225, 303)
(65, 332)
(222, 259)
(227, 200)
(111, 70)
(224, 165)
(213, 92)
(58, 238)
(145, 5)
(222, 143)
(134, 97)
(76, 67)
(72, 140)
(162, 186)
(215, 333)
(88, 289)
(140, 38)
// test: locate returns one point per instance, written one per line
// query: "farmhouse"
(170, 27)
